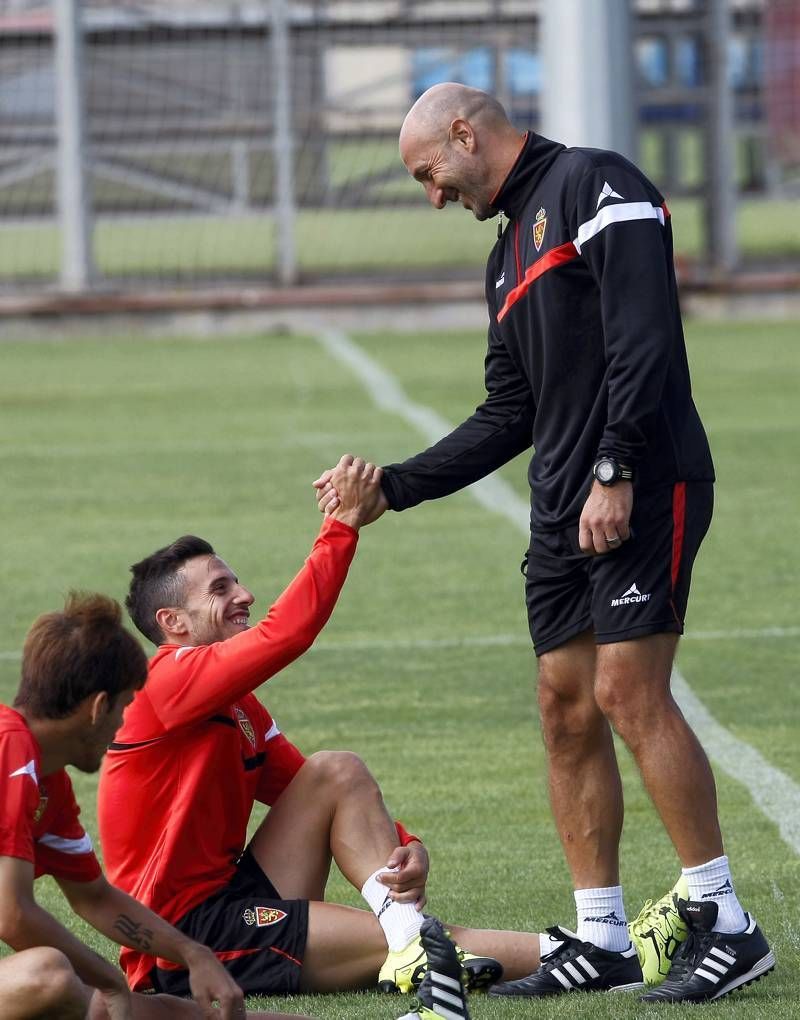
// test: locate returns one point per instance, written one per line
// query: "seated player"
(80, 669)
(197, 749)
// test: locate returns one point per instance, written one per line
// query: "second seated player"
(197, 749)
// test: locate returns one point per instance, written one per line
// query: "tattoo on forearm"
(134, 932)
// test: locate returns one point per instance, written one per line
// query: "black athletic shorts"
(640, 588)
(259, 937)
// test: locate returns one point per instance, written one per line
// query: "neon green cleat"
(657, 933)
(403, 970)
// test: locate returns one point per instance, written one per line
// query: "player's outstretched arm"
(129, 923)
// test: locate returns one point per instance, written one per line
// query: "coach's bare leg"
(40, 984)
(333, 808)
(585, 786)
(633, 690)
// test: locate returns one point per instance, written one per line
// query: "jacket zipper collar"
(536, 157)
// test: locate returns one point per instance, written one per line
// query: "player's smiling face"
(215, 605)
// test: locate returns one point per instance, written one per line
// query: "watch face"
(605, 471)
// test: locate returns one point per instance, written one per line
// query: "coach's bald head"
(460, 145)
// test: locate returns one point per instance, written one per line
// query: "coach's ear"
(171, 621)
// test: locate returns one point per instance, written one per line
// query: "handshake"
(351, 492)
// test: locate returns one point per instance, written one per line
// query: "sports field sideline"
(110, 448)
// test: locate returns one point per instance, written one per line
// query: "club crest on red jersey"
(539, 228)
(246, 725)
(262, 917)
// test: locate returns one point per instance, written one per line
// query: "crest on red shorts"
(246, 725)
(262, 917)
(539, 227)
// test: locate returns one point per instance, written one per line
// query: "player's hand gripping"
(351, 492)
(605, 520)
(407, 874)
(210, 983)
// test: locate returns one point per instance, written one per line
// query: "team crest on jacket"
(262, 917)
(538, 228)
(246, 725)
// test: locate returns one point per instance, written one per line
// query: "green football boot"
(657, 933)
(403, 970)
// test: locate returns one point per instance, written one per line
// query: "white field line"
(492, 493)
(774, 793)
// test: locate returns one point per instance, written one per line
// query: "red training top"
(196, 749)
(39, 814)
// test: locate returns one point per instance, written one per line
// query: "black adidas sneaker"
(576, 966)
(441, 993)
(711, 964)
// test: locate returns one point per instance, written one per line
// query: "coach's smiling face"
(215, 606)
(450, 167)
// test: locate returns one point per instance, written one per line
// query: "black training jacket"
(586, 351)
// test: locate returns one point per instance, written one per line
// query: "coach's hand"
(352, 491)
(406, 881)
(210, 983)
(605, 520)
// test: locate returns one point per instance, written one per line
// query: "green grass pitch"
(110, 448)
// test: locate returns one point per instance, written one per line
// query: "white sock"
(601, 918)
(401, 922)
(712, 881)
(548, 943)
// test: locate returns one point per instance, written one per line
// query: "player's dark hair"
(82, 650)
(157, 582)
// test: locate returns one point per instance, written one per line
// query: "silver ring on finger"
(614, 541)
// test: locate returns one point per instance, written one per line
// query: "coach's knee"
(569, 717)
(632, 705)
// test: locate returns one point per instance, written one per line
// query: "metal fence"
(188, 143)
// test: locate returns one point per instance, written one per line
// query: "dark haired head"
(157, 582)
(70, 655)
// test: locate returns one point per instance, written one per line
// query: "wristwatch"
(608, 471)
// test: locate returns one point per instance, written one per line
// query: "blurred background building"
(151, 144)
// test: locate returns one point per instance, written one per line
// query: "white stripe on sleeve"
(67, 846)
(619, 213)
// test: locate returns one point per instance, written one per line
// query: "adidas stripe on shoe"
(441, 993)
(711, 964)
(576, 966)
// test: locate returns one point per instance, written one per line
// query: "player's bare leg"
(346, 948)
(333, 808)
(585, 786)
(633, 690)
(40, 984)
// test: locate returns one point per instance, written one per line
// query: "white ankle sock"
(712, 881)
(401, 922)
(601, 918)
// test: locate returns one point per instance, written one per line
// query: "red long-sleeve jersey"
(196, 749)
(39, 814)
